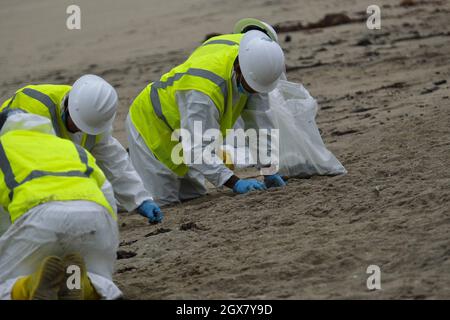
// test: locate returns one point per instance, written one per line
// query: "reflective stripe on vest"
(206, 74)
(10, 102)
(90, 142)
(5, 166)
(226, 42)
(12, 183)
(45, 100)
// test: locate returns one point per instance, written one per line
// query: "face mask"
(241, 88)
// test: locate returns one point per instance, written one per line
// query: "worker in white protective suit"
(84, 113)
(58, 213)
(221, 80)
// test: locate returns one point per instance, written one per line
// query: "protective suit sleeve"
(20, 120)
(108, 192)
(113, 159)
(197, 108)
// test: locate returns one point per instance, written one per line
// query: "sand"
(384, 97)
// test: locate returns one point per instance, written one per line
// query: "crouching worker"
(221, 80)
(61, 232)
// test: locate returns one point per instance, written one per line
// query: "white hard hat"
(261, 61)
(247, 24)
(92, 104)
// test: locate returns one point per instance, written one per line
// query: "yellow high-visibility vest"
(45, 100)
(36, 168)
(155, 112)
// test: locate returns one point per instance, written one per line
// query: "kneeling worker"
(221, 79)
(84, 113)
(60, 215)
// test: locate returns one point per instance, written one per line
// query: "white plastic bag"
(301, 149)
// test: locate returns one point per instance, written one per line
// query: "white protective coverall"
(165, 186)
(58, 228)
(114, 161)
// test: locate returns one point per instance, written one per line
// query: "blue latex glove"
(274, 180)
(244, 186)
(150, 210)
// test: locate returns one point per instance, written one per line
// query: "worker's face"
(240, 78)
(68, 120)
(71, 125)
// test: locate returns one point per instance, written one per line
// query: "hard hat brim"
(259, 88)
(242, 24)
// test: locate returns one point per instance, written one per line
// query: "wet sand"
(384, 98)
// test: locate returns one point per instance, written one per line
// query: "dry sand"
(385, 114)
